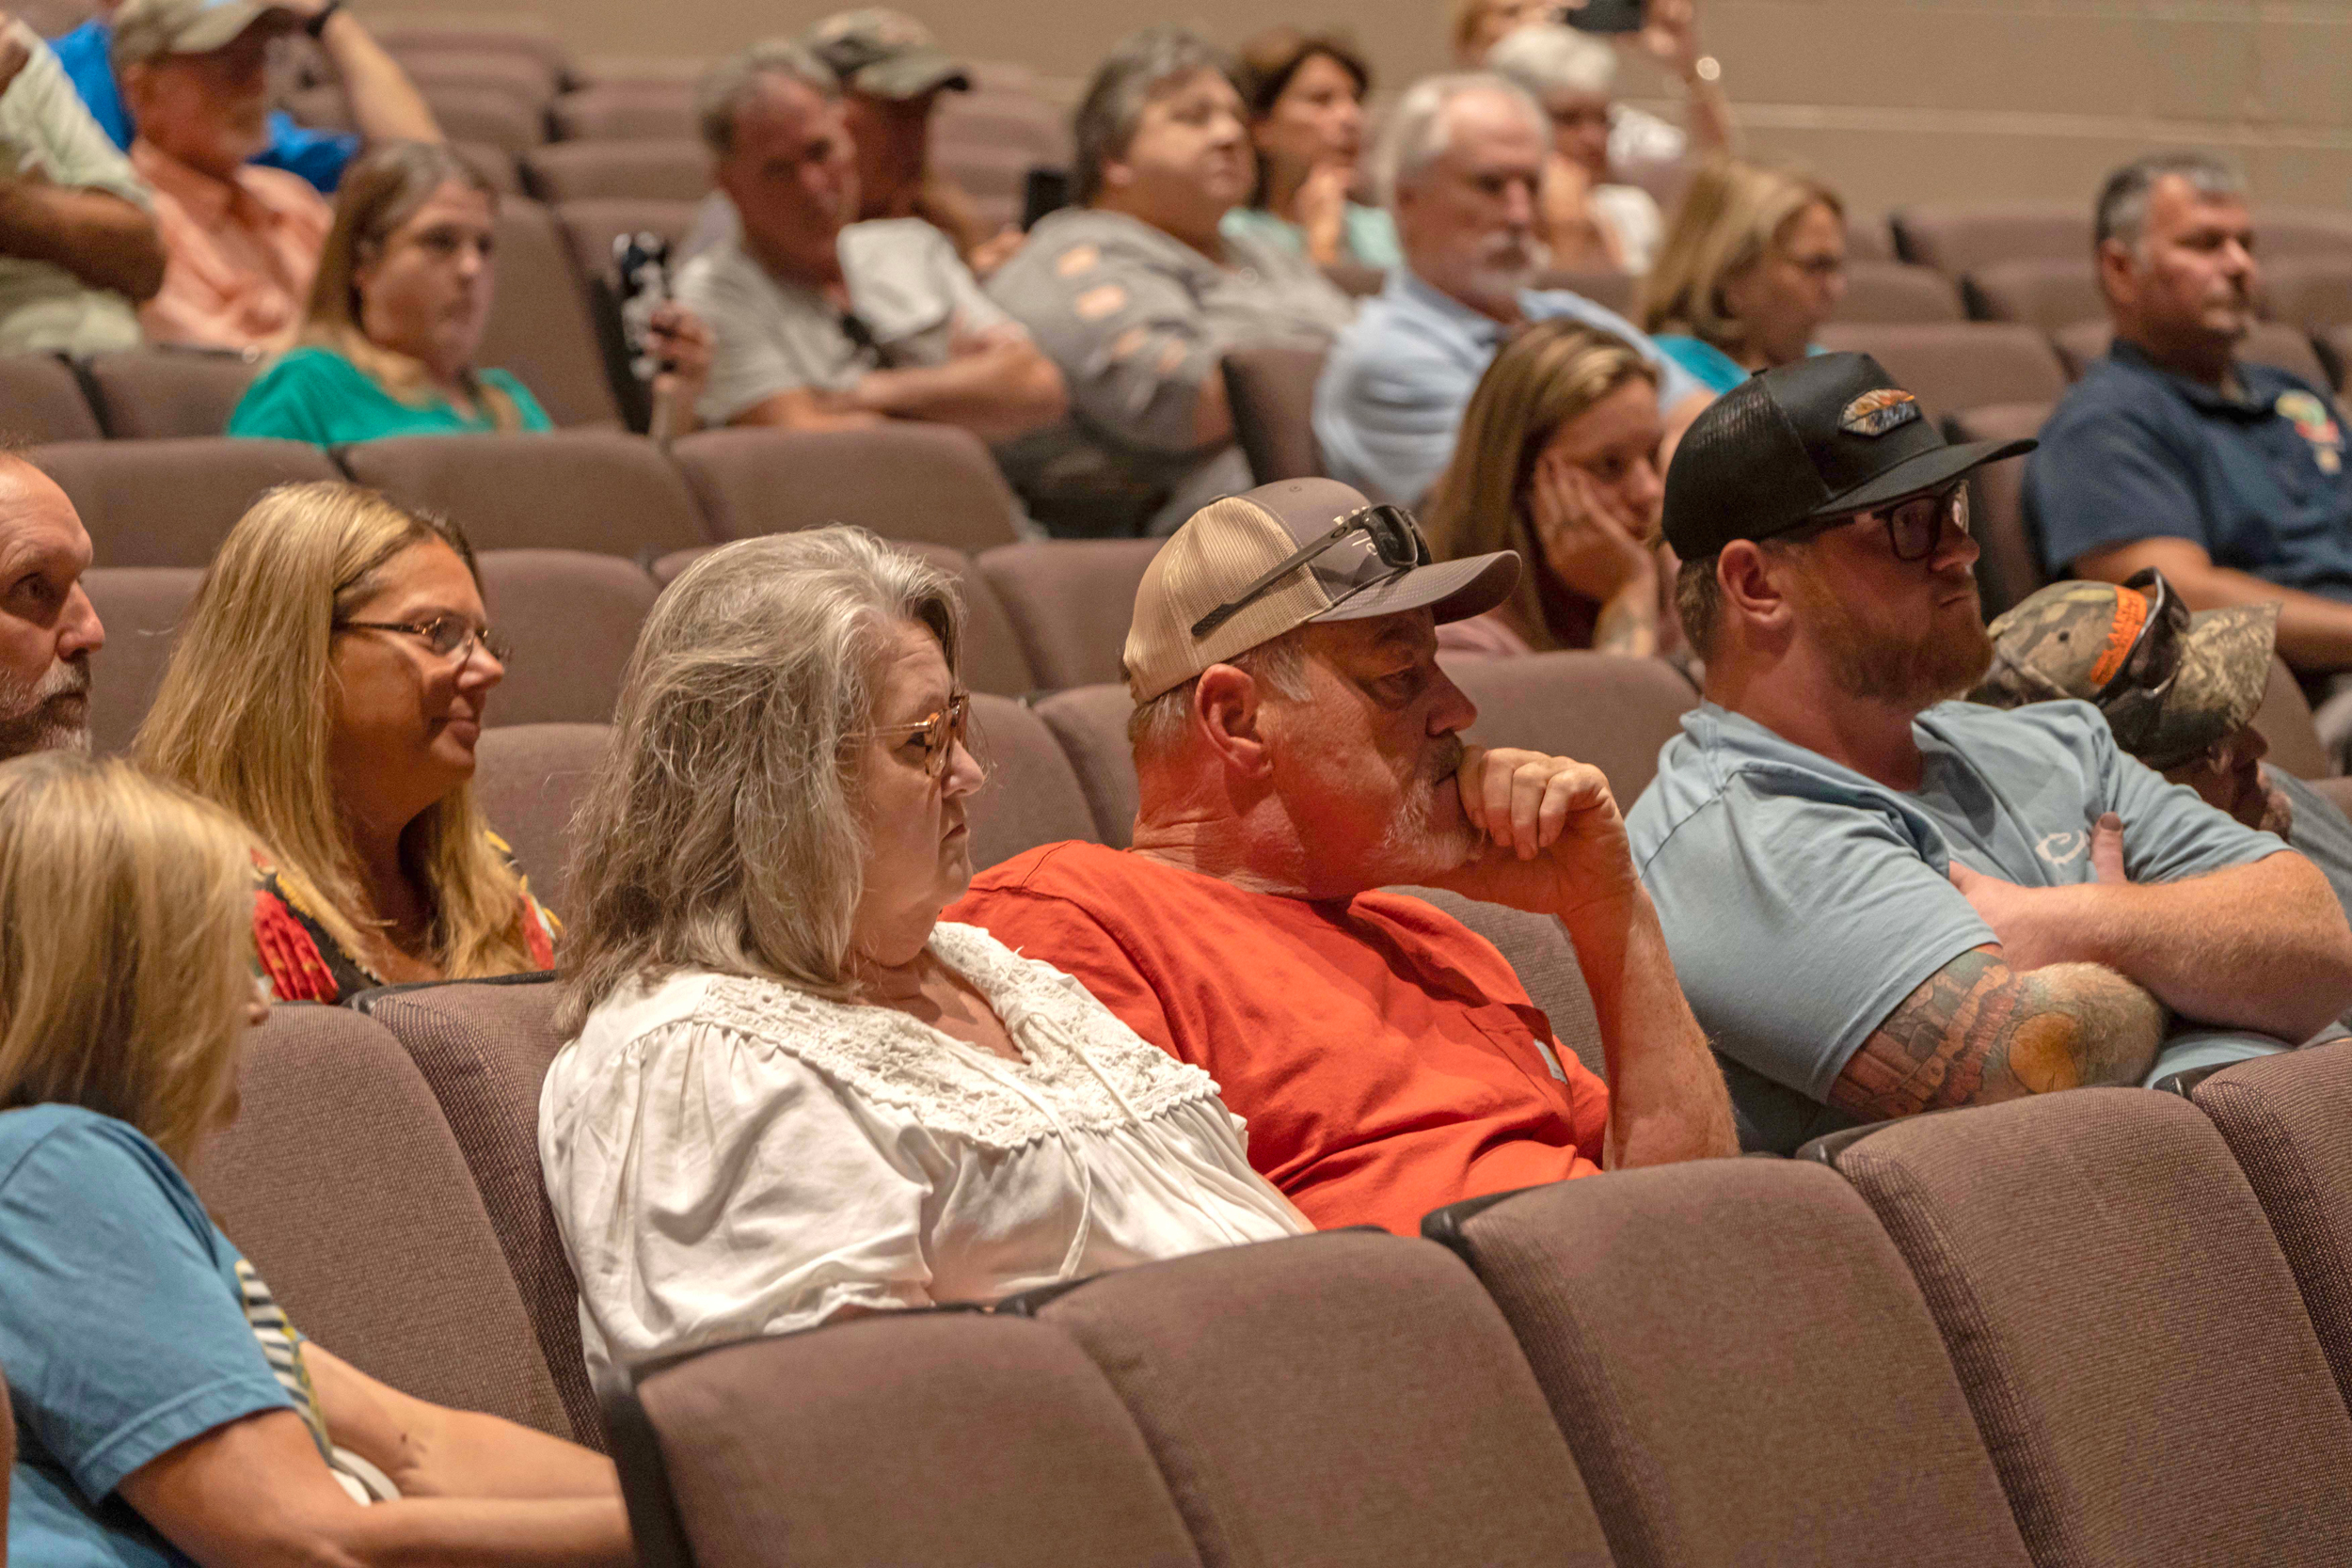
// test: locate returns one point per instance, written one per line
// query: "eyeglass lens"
(1916, 526)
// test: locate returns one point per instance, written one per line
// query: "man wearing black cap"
(1881, 901)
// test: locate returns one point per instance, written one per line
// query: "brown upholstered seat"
(505, 36)
(1341, 1399)
(2303, 233)
(1071, 601)
(1956, 365)
(469, 112)
(2338, 342)
(624, 111)
(171, 502)
(2047, 292)
(169, 392)
(633, 170)
(529, 82)
(591, 227)
(1610, 711)
(529, 780)
(1868, 240)
(1091, 725)
(904, 481)
(570, 489)
(2011, 568)
(497, 164)
(342, 1182)
(140, 606)
(539, 327)
(1272, 389)
(571, 619)
(2309, 291)
(2284, 723)
(1031, 797)
(1897, 292)
(2085, 343)
(1956, 239)
(44, 401)
(2129, 1335)
(1354, 278)
(1610, 289)
(1743, 1367)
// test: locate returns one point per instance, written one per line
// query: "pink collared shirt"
(239, 255)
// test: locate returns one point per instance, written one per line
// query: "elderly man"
(1882, 902)
(47, 630)
(1460, 166)
(1298, 748)
(1137, 295)
(2173, 454)
(818, 322)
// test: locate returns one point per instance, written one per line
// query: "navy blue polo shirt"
(2259, 481)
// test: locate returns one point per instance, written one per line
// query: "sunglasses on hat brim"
(1395, 539)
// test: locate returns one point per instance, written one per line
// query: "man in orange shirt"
(1298, 748)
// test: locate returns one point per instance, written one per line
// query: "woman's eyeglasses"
(941, 733)
(444, 635)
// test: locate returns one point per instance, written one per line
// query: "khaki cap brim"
(910, 76)
(223, 25)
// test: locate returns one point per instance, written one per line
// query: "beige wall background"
(1893, 101)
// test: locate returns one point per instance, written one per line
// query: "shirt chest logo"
(2311, 421)
(2063, 849)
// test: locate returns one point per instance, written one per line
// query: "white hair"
(1546, 59)
(1419, 129)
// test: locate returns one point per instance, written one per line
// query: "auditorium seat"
(2011, 568)
(341, 1181)
(1897, 292)
(1339, 1399)
(1956, 365)
(1956, 239)
(2311, 292)
(571, 619)
(995, 178)
(496, 164)
(992, 116)
(572, 489)
(1606, 287)
(1744, 1370)
(528, 779)
(526, 81)
(591, 227)
(491, 116)
(539, 327)
(2047, 292)
(950, 1440)
(1090, 722)
(2284, 723)
(2085, 343)
(1537, 947)
(627, 111)
(603, 171)
(1868, 240)
(2338, 342)
(44, 401)
(484, 1046)
(1272, 389)
(140, 606)
(905, 479)
(2298, 234)
(1071, 601)
(171, 502)
(145, 393)
(1603, 708)
(1031, 797)
(2128, 1333)
(511, 34)
(1354, 278)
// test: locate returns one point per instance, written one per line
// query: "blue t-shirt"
(317, 395)
(122, 1331)
(318, 157)
(1802, 902)
(2135, 452)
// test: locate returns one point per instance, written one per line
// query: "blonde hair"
(126, 943)
(245, 712)
(1732, 215)
(1547, 375)
(723, 830)
(380, 192)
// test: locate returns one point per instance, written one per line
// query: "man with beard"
(48, 629)
(1460, 167)
(1882, 901)
(1298, 750)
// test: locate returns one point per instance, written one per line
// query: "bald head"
(48, 629)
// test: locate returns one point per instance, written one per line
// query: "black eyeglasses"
(941, 733)
(1915, 525)
(2133, 697)
(1394, 539)
(444, 635)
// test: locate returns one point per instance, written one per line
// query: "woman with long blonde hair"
(1753, 263)
(326, 690)
(167, 1408)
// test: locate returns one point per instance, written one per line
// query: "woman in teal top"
(1752, 264)
(1306, 98)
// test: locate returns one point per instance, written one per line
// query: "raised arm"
(2315, 633)
(384, 103)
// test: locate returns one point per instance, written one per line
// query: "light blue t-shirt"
(1802, 902)
(1391, 399)
(122, 1331)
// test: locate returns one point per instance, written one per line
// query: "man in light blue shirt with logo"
(1460, 168)
(1881, 901)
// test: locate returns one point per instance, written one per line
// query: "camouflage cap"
(2071, 640)
(886, 54)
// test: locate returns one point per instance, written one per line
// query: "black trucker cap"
(1825, 436)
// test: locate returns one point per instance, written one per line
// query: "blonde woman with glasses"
(164, 1409)
(793, 1094)
(1753, 263)
(327, 687)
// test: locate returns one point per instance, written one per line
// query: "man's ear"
(1750, 582)
(2119, 272)
(1118, 174)
(1226, 713)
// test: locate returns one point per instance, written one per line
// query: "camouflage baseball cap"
(886, 54)
(2094, 641)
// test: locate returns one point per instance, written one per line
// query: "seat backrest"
(1091, 725)
(169, 392)
(904, 481)
(1537, 947)
(1341, 1399)
(469, 112)
(2009, 567)
(623, 111)
(171, 502)
(571, 619)
(2045, 292)
(2338, 342)
(2309, 291)
(2301, 232)
(496, 164)
(1897, 292)
(1610, 289)
(539, 327)
(2121, 1318)
(529, 780)
(1956, 365)
(2284, 723)
(1743, 1367)
(952, 1439)
(342, 1182)
(1956, 239)
(509, 36)
(1071, 601)
(591, 227)
(1031, 797)
(1868, 240)
(44, 400)
(1272, 389)
(2274, 343)
(1354, 278)
(1602, 708)
(485, 1048)
(529, 82)
(570, 489)
(591, 170)
(140, 606)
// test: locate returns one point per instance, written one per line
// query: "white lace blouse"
(729, 1157)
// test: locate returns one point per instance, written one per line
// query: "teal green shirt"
(1368, 235)
(317, 395)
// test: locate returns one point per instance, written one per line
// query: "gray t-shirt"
(1802, 902)
(909, 294)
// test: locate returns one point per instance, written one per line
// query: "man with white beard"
(1461, 167)
(48, 628)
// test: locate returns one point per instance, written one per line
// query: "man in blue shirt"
(385, 105)
(1881, 901)
(2227, 476)
(1460, 167)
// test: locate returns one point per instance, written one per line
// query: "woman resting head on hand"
(327, 687)
(138, 1344)
(793, 1092)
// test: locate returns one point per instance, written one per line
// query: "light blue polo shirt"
(1393, 393)
(1803, 901)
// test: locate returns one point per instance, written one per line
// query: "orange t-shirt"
(1386, 1057)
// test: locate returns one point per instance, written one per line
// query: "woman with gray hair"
(792, 1093)
(1588, 218)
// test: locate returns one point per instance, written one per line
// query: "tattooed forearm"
(1978, 1032)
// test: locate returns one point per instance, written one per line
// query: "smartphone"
(641, 265)
(1042, 192)
(1605, 16)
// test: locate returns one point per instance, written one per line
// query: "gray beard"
(49, 715)
(1416, 844)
